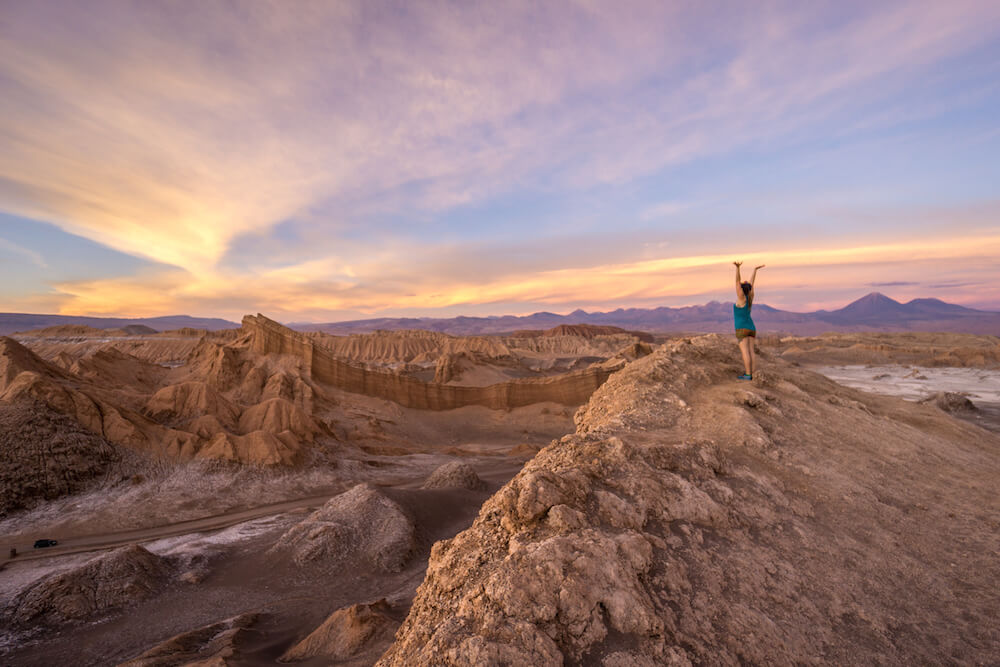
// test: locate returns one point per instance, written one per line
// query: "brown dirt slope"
(209, 646)
(359, 525)
(109, 581)
(695, 519)
(349, 633)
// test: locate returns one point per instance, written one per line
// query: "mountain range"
(873, 312)
(11, 322)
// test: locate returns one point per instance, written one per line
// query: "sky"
(325, 161)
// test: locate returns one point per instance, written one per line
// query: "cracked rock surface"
(696, 519)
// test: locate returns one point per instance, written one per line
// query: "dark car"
(40, 544)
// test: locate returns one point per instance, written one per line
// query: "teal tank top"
(742, 316)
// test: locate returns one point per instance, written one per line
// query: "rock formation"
(45, 455)
(269, 337)
(454, 475)
(348, 633)
(951, 402)
(695, 519)
(109, 581)
(210, 646)
(359, 525)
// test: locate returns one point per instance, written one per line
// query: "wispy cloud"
(32, 256)
(172, 133)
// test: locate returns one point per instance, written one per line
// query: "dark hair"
(746, 287)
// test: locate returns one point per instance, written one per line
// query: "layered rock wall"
(269, 337)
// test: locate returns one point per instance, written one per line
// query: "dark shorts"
(745, 333)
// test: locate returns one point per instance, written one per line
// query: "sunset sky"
(322, 161)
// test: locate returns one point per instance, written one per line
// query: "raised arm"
(739, 290)
(753, 276)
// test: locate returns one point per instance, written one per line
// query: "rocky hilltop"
(695, 519)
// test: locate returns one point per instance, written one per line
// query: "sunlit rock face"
(693, 518)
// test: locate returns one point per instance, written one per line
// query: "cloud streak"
(174, 134)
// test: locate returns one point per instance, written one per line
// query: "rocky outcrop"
(951, 402)
(350, 632)
(45, 455)
(454, 475)
(405, 346)
(190, 400)
(256, 448)
(361, 525)
(695, 519)
(192, 419)
(581, 330)
(210, 646)
(269, 337)
(277, 415)
(110, 581)
(26, 377)
(451, 366)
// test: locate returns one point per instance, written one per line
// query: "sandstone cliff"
(695, 519)
(269, 337)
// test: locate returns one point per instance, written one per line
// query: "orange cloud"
(309, 288)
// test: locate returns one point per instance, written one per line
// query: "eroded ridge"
(574, 388)
(695, 519)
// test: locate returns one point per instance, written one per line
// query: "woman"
(745, 329)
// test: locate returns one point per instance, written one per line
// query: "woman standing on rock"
(745, 329)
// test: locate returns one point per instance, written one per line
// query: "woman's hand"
(738, 263)
(759, 267)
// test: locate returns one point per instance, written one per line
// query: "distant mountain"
(11, 322)
(874, 312)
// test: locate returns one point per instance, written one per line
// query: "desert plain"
(578, 495)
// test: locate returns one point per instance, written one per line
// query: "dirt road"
(72, 545)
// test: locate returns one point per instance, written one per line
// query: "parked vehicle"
(41, 544)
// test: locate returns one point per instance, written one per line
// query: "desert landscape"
(579, 495)
(511, 334)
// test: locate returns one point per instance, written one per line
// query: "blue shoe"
(744, 377)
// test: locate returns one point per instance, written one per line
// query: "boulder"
(951, 402)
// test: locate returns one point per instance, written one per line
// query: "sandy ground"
(242, 578)
(981, 386)
(223, 519)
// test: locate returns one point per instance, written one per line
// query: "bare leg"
(746, 350)
(753, 355)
